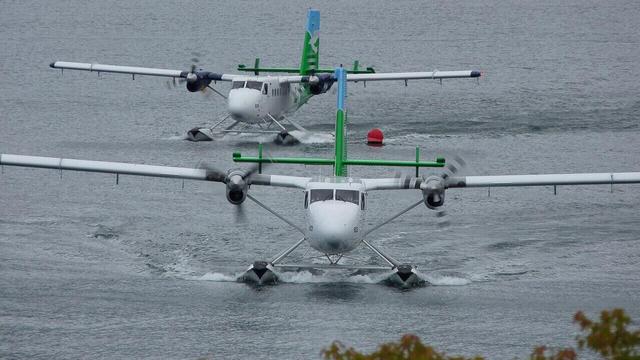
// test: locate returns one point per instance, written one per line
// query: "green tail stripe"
(310, 56)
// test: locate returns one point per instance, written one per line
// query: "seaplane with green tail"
(335, 206)
(263, 104)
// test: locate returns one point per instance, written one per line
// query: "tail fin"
(340, 168)
(311, 47)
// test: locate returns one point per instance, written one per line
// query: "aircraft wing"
(430, 75)
(298, 79)
(544, 180)
(133, 70)
(507, 180)
(433, 75)
(143, 170)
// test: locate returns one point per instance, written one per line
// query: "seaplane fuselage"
(256, 99)
(335, 213)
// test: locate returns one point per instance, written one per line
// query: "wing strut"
(392, 218)
(275, 213)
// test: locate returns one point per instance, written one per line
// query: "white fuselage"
(334, 214)
(252, 99)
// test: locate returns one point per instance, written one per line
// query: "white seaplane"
(262, 104)
(335, 206)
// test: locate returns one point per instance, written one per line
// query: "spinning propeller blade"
(196, 79)
(452, 168)
(239, 214)
(213, 173)
(173, 83)
(237, 182)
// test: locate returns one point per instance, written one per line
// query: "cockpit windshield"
(237, 85)
(254, 85)
(348, 196)
(321, 195)
(351, 196)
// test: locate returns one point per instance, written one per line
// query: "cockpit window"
(254, 85)
(348, 196)
(237, 85)
(321, 195)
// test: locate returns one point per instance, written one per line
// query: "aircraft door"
(363, 208)
(271, 97)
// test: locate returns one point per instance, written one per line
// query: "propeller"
(239, 215)
(433, 188)
(452, 168)
(191, 77)
(196, 79)
(213, 173)
(237, 182)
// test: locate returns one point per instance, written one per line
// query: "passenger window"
(257, 85)
(321, 195)
(237, 85)
(347, 196)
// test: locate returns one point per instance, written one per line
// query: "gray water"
(144, 269)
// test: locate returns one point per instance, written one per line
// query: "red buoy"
(375, 137)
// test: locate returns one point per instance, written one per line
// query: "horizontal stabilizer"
(286, 70)
(237, 157)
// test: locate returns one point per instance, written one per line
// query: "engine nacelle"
(433, 191)
(198, 85)
(199, 80)
(236, 188)
(324, 83)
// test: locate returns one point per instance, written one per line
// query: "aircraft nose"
(335, 226)
(243, 104)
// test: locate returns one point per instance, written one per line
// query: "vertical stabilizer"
(340, 169)
(311, 47)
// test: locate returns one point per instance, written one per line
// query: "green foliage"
(408, 348)
(610, 338)
(540, 353)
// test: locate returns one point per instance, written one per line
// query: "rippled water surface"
(146, 268)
